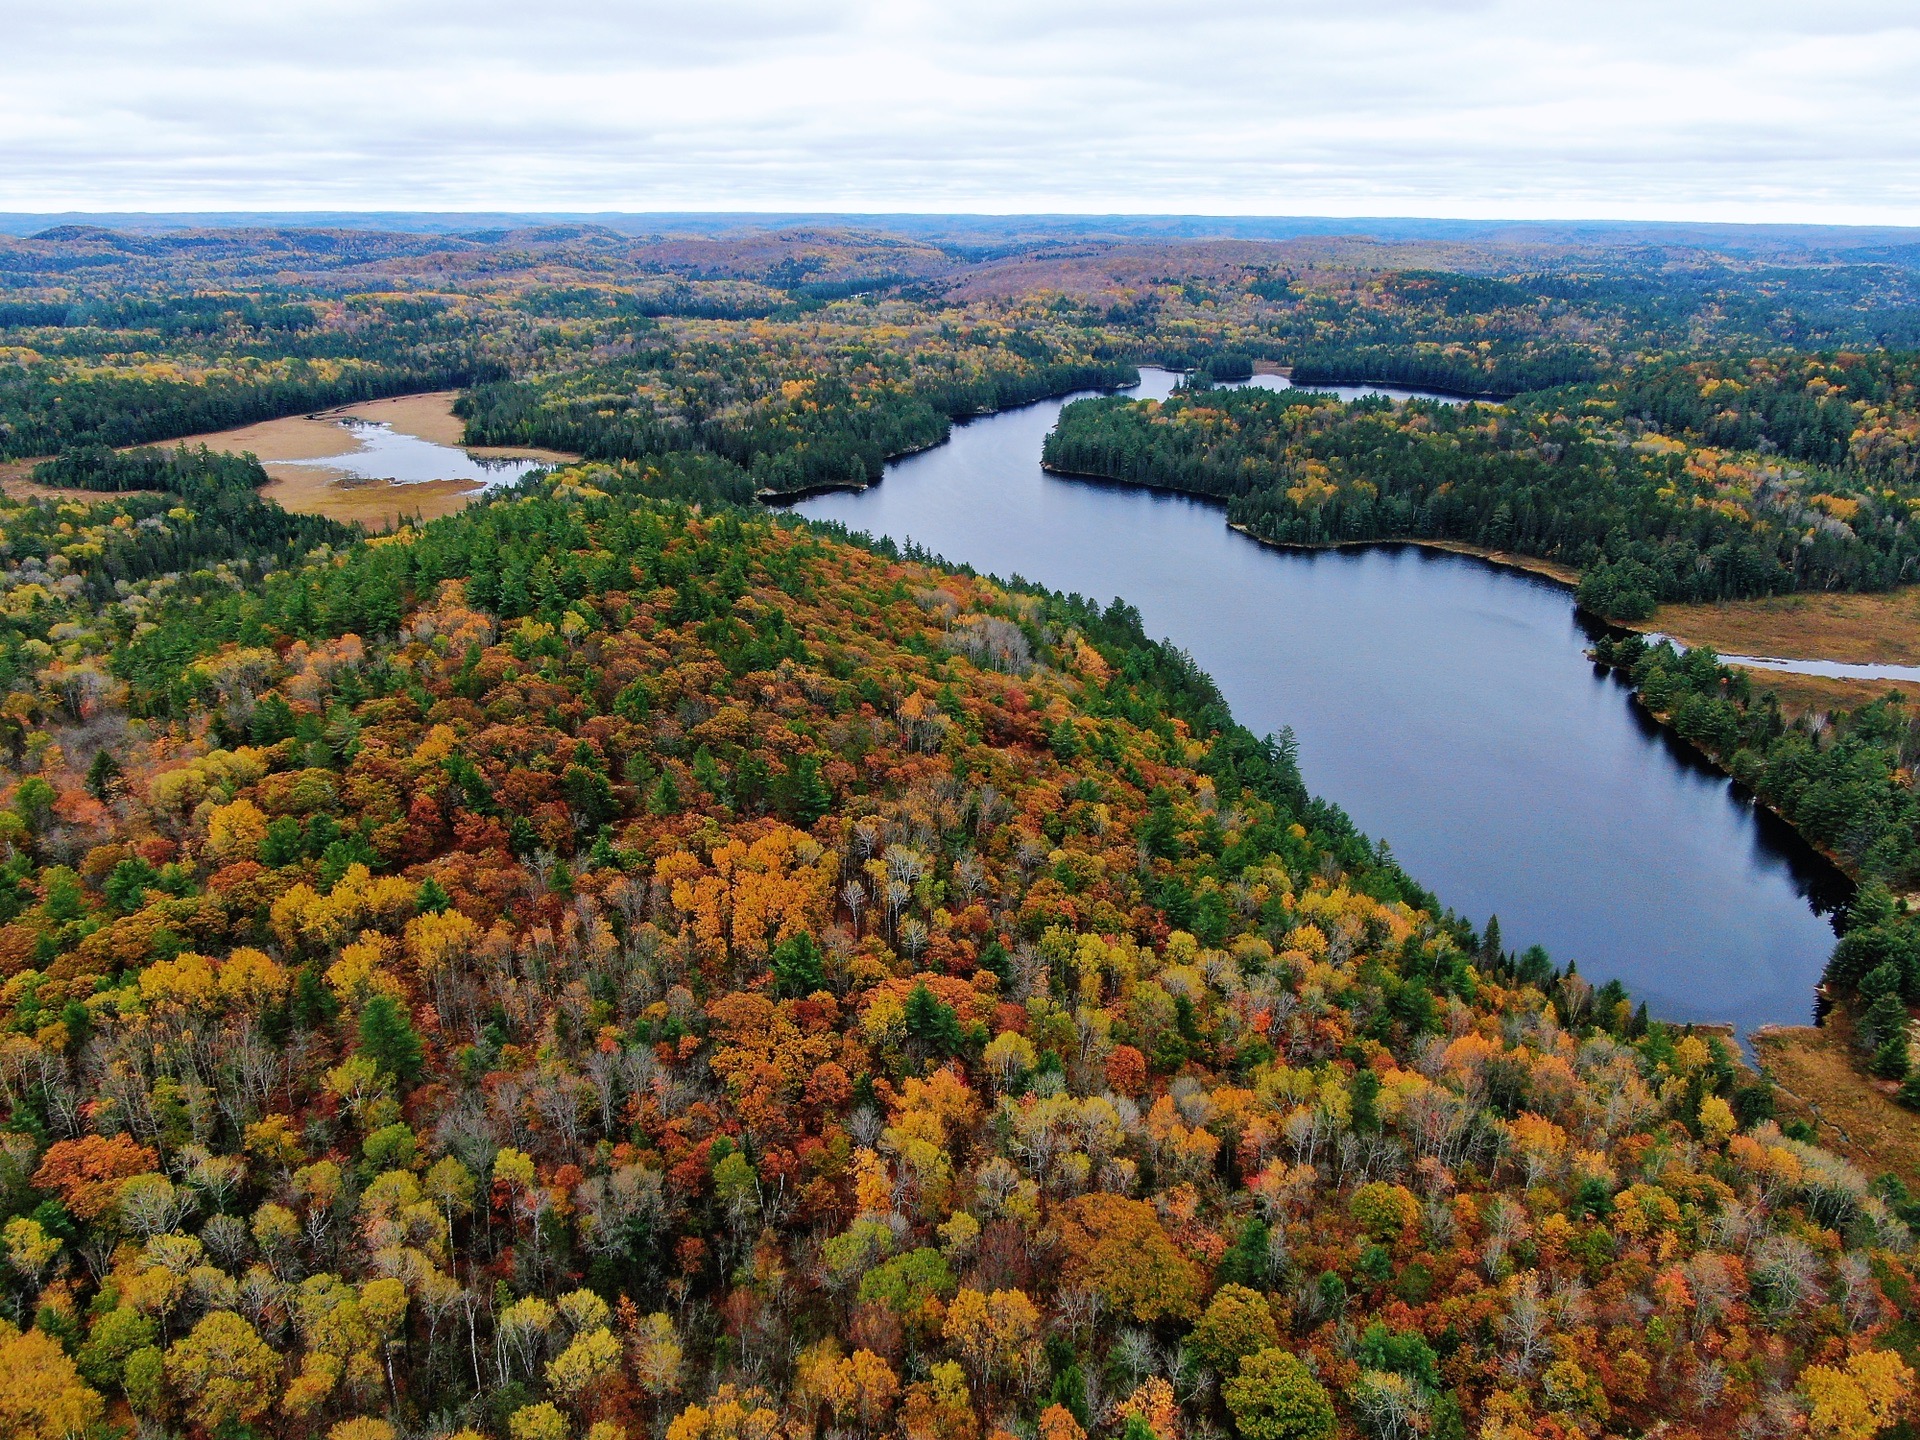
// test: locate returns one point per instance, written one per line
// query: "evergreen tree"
(797, 971)
(932, 1024)
(801, 794)
(388, 1038)
(102, 775)
(665, 799)
(433, 898)
(589, 796)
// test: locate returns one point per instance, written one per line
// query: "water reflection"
(388, 454)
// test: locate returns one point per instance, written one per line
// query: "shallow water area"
(385, 453)
(1351, 392)
(1447, 704)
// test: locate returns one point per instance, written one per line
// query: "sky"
(1740, 110)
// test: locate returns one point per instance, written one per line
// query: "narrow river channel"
(1446, 704)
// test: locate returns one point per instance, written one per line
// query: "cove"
(1445, 703)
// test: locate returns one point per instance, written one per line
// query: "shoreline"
(1551, 571)
(825, 487)
(1479, 397)
(1564, 576)
(855, 487)
(1664, 720)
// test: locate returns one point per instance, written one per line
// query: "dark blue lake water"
(1446, 704)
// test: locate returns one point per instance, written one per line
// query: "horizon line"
(1225, 218)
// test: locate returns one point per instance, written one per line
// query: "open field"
(376, 504)
(1807, 694)
(379, 505)
(430, 417)
(317, 490)
(1854, 629)
(16, 481)
(1819, 1079)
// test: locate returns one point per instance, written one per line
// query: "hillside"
(592, 968)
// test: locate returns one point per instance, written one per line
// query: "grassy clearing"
(1810, 694)
(376, 504)
(430, 417)
(1819, 1079)
(1856, 629)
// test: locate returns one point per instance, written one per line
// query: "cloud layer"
(1709, 109)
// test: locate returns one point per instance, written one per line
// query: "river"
(1445, 703)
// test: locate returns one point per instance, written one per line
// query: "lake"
(1446, 704)
(384, 453)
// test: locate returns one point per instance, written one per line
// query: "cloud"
(1711, 109)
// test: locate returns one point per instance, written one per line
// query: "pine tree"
(1885, 1018)
(801, 794)
(102, 774)
(388, 1038)
(1491, 952)
(797, 971)
(665, 799)
(932, 1023)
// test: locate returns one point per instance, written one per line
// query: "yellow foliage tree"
(537, 1422)
(996, 1334)
(1858, 1400)
(223, 1370)
(42, 1396)
(730, 1414)
(234, 832)
(592, 1356)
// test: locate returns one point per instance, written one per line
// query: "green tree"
(589, 796)
(433, 898)
(932, 1023)
(33, 803)
(907, 1282)
(388, 1038)
(797, 971)
(1237, 1323)
(800, 794)
(1248, 1261)
(102, 775)
(665, 799)
(1275, 1397)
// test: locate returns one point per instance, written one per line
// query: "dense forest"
(1576, 475)
(614, 963)
(616, 346)
(819, 419)
(585, 968)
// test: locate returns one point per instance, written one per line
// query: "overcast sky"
(1681, 109)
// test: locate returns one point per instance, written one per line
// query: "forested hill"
(588, 968)
(1636, 482)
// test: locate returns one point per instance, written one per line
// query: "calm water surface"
(388, 454)
(1444, 703)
